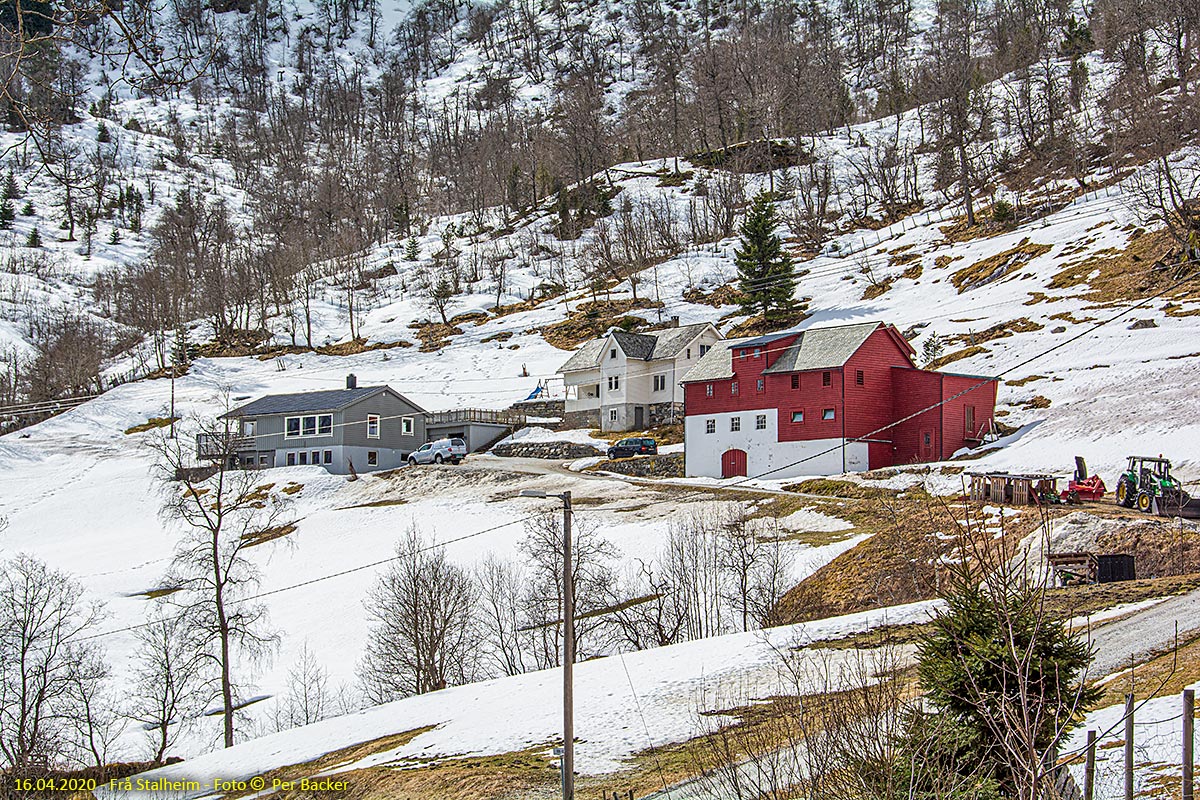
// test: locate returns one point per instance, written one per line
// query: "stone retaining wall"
(550, 450)
(665, 466)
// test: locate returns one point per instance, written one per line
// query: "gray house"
(357, 428)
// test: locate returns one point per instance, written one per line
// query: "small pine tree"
(412, 250)
(115, 236)
(7, 214)
(34, 239)
(766, 272)
(11, 189)
(27, 209)
(933, 348)
(102, 134)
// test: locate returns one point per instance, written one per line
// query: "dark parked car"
(626, 448)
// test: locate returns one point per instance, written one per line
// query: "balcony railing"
(222, 445)
(480, 415)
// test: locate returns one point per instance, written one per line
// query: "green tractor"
(1147, 481)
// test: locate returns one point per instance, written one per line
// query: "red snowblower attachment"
(1082, 487)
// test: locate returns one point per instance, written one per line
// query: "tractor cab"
(1147, 480)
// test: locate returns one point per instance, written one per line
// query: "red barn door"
(733, 462)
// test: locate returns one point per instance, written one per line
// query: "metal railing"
(480, 415)
(222, 445)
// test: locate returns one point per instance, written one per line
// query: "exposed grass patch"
(756, 326)
(268, 534)
(1025, 380)
(997, 267)
(154, 594)
(725, 295)
(877, 289)
(387, 501)
(828, 487)
(957, 355)
(434, 335)
(913, 272)
(1145, 266)
(593, 318)
(151, 424)
(1037, 401)
(1078, 601)
(292, 488)
(1000, 330)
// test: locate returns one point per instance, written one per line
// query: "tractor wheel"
(1124, 495)
(1145, 502)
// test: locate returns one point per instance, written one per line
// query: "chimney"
(675, 322)
(351, 381)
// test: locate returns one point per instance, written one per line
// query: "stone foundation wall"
(549, 450)
(660, 413)
(573, 420)
(665, 466)
(540, 408)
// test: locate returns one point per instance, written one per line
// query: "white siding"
(703, 451)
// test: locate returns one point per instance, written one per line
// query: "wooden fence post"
(1129, 746)
(1089, 768)
(1189, 723)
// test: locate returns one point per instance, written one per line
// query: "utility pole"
(1129, 746)
(568, 748)
(1189, 728)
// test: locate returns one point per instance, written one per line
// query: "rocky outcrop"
(666, 466)
(550, 450)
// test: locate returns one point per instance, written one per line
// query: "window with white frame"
(704, 348)
(372, 426)
(612, 415)
(733, 388)
(660, 383)
(710, 426)
(797, 416)
(614, 383)
(762, 385)
(760, 422)
(708, 390)
(406, 426)
(311, 425)
(758, 352)
(828, 414)
(735, 424)
(372, 458)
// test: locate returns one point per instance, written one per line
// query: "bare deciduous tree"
(172, 681)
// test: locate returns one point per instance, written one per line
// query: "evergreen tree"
(7, 214)
(27, 209)
(766, 272)
(412, 250)
(35, 238)
(11, 189)
(115, 236)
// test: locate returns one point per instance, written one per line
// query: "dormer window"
(612, 353)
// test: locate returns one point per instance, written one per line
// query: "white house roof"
(649, 346)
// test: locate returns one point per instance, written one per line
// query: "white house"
(630, 381)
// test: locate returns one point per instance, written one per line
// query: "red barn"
(824, 401)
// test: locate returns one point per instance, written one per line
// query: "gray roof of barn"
(647, 346)
(716, 364)
(815, 348)
(301, 402)
(823, 348)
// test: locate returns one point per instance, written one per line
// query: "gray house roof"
(814, 348)
(649, 346)
(823, 348)
(304, 402)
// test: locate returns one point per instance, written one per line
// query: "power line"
(323, 578)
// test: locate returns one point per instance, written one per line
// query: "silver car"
(452, 450)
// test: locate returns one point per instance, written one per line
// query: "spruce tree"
(114, 237)
(35, 238)
(7, 214)
(11, 189)
(766, 272)
(412, 250)
(27, 209)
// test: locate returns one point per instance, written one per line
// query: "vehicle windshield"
(426, 446)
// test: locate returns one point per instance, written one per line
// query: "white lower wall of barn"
(764, 451)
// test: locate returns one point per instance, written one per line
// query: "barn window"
(826, 379)
(762, 385)
(858, 377)
(760, 422)
(970, 420)
(797, 416)
(710, 426)
(828, 414)
(795, 381)
(708, 392)
(735, 424)
(758, 352)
